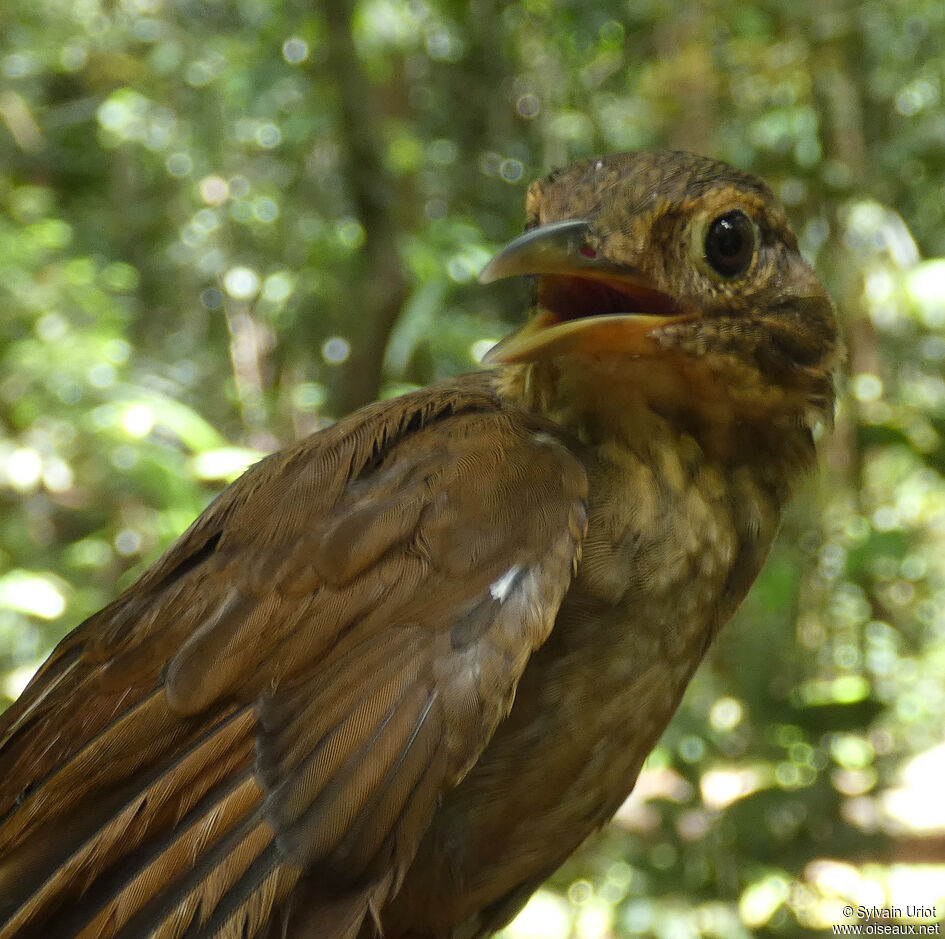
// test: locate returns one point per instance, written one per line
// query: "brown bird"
(395, 674)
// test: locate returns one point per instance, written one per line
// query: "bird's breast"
(667, 533)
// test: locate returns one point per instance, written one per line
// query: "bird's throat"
(651, 402)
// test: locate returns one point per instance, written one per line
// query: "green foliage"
(207, 208)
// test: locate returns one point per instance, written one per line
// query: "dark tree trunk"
(378, 294)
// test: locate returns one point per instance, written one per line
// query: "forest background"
(224, 223)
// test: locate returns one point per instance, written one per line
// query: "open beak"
(586, 303)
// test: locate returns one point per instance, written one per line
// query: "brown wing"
(292, 686)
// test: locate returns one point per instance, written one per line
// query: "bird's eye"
(730, 244)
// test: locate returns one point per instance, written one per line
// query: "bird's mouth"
(570, 297)
(586, 304)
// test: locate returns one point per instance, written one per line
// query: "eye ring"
(729, 245)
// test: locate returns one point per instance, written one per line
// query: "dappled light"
(216, 238)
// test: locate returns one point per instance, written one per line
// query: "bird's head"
(678, 277)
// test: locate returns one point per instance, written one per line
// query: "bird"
(396, 673)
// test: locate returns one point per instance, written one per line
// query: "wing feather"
(258, 730)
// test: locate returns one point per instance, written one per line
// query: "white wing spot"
(501, 587)
(545, 440)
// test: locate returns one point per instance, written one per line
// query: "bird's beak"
(587, 303)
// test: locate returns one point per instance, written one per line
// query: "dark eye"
(730, 244)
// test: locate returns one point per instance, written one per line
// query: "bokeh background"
(224, 223)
